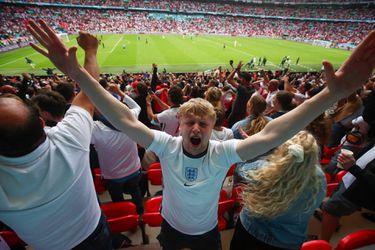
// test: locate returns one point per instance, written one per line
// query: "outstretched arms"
(66, 61)
(350, 76)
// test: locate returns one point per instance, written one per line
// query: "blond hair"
(273, 188)
(199, 107)
(213, 95)
(257, 105)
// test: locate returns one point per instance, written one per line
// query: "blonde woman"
(282, 192)
(255, 121)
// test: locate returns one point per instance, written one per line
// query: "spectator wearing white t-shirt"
(168, 119)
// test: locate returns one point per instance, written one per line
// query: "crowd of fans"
(118, 21)
(332, 12)
(275, 109)
(271, 95)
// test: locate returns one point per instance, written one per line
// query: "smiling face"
(197, 118)
(196, 133)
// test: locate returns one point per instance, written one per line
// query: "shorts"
(338, 205)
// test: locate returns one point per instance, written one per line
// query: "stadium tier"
(342, 26)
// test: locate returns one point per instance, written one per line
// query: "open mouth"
(195, 141)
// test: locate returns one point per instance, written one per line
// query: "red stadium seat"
(328, 154)
(356, 240)
(152, 216)
(224, 206)
(154, 166)
(236, 194)
(339, 176)
(316, 245)
(155, 176)
(118, 209)
(12, 239)
(124, 223)
(331, 187)
(223, 195)
(98, 181)
(121, 216)
(231, 170)
(328, 178)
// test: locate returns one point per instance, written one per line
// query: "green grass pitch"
(182, 54)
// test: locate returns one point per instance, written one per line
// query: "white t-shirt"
(269, 100)
(169, 121)
(192, 185)
(48, 196)
(117, 153)
(223, 135)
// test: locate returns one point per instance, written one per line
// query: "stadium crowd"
(248, 103)
(116, 21)
(331, 12)
(283, 125)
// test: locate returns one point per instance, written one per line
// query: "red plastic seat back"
(153, 205)
(231, 170)
(155, 176)
(155, 165)
(328, 154)
(152, 215)
(339, 176)
(358, 239)
(98, 181)
(224, 206)
(123, 224)
(328, 178)
(118, 209)
(236, 194)
(223, 195)
(316, 245)
(11, 238)
(331, 187)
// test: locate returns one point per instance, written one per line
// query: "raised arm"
(353, 73)
(231, 75)
(132, 105)
(154, 78)
(150, 114)
(89, 44)
(287, 86)
(66, 61)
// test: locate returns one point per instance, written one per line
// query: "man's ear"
(42, 122)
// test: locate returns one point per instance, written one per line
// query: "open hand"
(63, 58)
(355, 71)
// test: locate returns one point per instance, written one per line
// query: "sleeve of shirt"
(94, 133)
(133, 106)
(229, 152)
(162, 117)
(75, 129)
(163, 144)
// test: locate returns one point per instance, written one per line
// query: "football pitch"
(136, 53)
